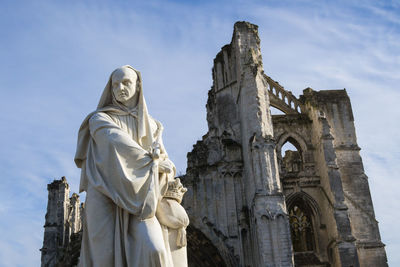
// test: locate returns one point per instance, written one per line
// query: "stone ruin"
(63, 226)
(252, 202)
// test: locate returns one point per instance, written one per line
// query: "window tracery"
(301, 228)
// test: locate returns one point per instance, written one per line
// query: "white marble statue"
(126, 172)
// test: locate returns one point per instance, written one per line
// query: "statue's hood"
(107, 103)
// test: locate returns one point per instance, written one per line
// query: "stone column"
(268, 215)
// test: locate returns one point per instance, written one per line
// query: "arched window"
(291, 156)
(301, 226)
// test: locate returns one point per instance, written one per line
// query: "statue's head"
(125, 84)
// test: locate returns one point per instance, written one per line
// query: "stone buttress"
(236, 197)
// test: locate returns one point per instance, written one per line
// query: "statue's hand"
(165, 166)
(156, 151)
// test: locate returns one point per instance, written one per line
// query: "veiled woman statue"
(125, 172)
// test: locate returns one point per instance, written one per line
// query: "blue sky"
(56, 57)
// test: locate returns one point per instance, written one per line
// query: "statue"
(129, 182)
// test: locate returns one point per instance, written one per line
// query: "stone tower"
(252, 199)
(62, 222)
(308, 207)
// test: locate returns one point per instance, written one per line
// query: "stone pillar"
(74, 217)
(269, 220)
(55, 227)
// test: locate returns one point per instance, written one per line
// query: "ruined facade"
(261, 205)
(251, 201)
(62, 228)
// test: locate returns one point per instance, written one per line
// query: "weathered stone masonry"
(62, 228)
(251, 201)
(310, 207)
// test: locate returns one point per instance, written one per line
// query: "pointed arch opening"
(291, 154)
(304, 220)
(301, 227)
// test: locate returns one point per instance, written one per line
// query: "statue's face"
(124, 84)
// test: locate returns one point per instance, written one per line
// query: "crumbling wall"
(235, 196)
(62, 221)
(241, 187)
(304, 183)
(249, 203)
(360, 225)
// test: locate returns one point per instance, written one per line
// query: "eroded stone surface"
(252, 202)
(246, 191)
(63, 223)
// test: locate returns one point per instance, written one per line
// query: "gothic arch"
(291, 135)
(204, 251)
(294, 138)
(291, 198)
(304, 211)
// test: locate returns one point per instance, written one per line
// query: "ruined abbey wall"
(261, 205)
(63, 225)
(251, 201)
